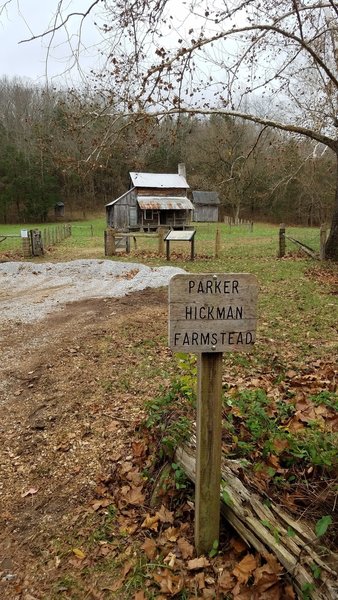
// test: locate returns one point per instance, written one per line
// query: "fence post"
(217, 243)
(323, 238)
(160, 241)
(26, 244)
(281, 252)
(36, 242)
(127, 244)
(109, 242)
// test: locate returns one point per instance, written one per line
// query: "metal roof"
(208, 198)
(164, 203)
(120, 197)
(158, 180)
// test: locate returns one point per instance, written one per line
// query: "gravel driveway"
(30, 291)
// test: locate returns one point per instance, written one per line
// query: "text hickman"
(213, 313)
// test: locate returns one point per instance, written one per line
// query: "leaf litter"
(92, 526)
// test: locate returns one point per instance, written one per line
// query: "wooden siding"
(169, 218)
(206, 214)
(161, 192)
(118, 213)
(125, 213)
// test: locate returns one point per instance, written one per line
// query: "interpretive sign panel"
(212, 312)
(180, 236)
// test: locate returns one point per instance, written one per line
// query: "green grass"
(238, 242)
(263, 422)
(293, 306)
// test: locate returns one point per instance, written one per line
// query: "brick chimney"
(181, 170)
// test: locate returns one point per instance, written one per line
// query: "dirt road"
(72, 393)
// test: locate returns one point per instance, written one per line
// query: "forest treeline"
(60, 146)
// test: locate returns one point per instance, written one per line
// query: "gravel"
(29, 291)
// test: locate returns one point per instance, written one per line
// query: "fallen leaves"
(79, 553)
(186, 549)
(163, 515)
(97, 504)
(245, 568)
(198, 563)
(150, 548)
(133, 495)
(168, 582)
(164, 544)
(150, 522)
(31, 492)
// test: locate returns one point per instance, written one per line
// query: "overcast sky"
(28, 60)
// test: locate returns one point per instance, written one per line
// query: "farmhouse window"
(148, 215)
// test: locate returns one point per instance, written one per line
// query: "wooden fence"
(283, 236)
(232, 221)
(55, 234)
(33, 242)
(115, 241)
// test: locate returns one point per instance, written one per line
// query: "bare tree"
(218, 57)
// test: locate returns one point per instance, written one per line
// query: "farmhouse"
(153, 200)
(205, 206)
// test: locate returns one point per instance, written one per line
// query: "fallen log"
(271, 529)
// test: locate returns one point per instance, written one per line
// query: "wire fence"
(309, 241)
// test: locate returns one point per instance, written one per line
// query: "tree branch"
(288, 127)
(56, 27)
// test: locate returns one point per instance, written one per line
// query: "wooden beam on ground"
(303, 246)
(257, 524)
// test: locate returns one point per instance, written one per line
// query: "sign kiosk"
(210, 314)
(187, 235)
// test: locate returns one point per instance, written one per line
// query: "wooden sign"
(212, 312)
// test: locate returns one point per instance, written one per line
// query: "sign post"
(210, 314)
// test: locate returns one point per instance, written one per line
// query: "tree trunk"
(331, 246)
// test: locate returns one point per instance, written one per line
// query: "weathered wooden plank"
(212, 312)
(303, 246)
(250, 517)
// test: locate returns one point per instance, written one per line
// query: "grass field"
(87, 240)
